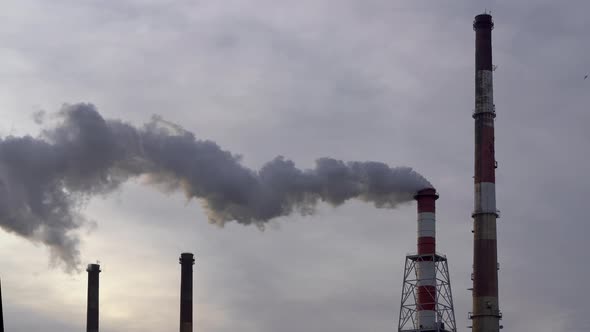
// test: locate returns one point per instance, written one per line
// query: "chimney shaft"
(92, 309)
(1, 312)
(186, 292)
(425, 269)
(485, 313)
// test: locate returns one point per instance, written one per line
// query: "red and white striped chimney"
(486, 312)
(426, 299)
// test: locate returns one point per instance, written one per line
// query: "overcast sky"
(380, 80)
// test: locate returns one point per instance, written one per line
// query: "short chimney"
(186, 292)
(1, 312)
(92, 310)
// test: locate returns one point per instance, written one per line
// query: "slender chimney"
(186, 292)
(486, 312)
(92, 310)
(425, 269)
(1, 312)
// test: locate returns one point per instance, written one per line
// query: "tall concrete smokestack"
(426, 299)
(186, 292)
(92, 310)
(486, 312)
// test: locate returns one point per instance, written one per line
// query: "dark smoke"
(45, 181)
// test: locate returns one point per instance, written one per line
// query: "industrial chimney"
(427, 303)
(425, 265)
(486, 313)
(186, 292)
(92, 310)
(1, 312)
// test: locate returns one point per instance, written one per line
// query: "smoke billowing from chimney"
(44, 181)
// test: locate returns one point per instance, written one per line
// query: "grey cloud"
(45, 180)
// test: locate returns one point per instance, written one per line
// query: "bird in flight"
(585, 77)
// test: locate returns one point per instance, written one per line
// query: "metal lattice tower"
(443, 299)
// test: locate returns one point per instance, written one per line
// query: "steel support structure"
(443, 299)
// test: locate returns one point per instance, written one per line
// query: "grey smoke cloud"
(45, 181)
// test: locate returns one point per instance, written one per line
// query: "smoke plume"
(45, 181)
